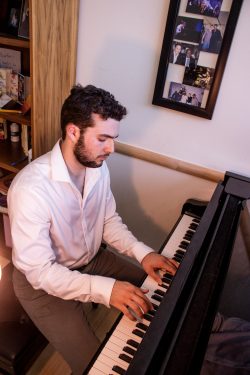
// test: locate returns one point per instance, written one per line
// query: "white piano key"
(117, 340)
(144, 321)
(102, 367)
(123, 336)
(115, 348)
(173, 243)
(128, 335)
(112, 358)
(95, 371)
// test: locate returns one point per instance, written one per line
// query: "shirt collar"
(59, 170)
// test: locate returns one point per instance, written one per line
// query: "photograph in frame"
(209, 8)
(188, 29)
(185, 94)
(212, 33)
(200, 76)
(185, 54)
(14, 17)
(23, 30)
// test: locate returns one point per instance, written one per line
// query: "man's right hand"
(126, 296)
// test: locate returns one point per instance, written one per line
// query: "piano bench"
(20, 341)
(20, 344)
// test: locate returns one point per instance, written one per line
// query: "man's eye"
(102, 139)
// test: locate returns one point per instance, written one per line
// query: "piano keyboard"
(121, 346)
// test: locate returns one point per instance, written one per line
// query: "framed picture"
(196, 44)
(23, 30)
(14, 11)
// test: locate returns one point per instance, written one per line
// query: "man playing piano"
(61, 209)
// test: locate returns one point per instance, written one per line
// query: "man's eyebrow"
(108, 136)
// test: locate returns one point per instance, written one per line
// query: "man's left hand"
(153, 262)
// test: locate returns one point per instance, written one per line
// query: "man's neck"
(76, 170)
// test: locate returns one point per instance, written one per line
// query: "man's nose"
(110, 146)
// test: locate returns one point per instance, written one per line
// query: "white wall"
(119, 47)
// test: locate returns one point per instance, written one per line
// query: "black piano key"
(165, 280)
(154, 306)
(148, 317)
(183, 246)
(119, 370)
(168, 275)
(129, 350)
(156, 297)
(177, 259)
(164, 286)
(159, 292)
(189, 233)
(187, 237)
(181, 252)
(125, 357)
(138, 332)
(142, 326)
(133, 343)
(196, 220)
(152, 312)
(193, 226)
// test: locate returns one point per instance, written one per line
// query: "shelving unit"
(49, 58)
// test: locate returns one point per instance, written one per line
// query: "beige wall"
(150, 197)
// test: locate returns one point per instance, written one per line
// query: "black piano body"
(176, 340)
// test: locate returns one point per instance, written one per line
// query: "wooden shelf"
(12, 152)
(14, 41)
(16, 117)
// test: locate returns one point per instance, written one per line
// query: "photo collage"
(196, 44)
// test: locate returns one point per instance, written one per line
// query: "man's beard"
(80, 154)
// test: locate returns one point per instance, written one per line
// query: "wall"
(119, 46)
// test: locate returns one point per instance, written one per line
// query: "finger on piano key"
(126, 320)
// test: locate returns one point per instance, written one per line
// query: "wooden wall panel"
(53, 47)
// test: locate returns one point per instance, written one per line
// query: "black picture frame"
(174, 81)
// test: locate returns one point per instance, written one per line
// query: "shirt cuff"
(101, 289)
(141, 250)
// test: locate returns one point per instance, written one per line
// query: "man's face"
(97, 142)
(177, 49)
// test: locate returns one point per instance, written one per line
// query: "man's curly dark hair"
(83, 102)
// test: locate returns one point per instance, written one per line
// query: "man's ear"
(72, 132)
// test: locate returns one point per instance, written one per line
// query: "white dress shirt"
(55, 229)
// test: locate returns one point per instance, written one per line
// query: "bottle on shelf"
(14, 132)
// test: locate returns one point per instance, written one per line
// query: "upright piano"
(173, 338)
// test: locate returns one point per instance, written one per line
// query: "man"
(188, 59)
(215, 40)
(61, 209)
(176, 56)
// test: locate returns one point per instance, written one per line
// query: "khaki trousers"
(63, 322)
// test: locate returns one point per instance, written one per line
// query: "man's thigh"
(62, 322)
(108, 263)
